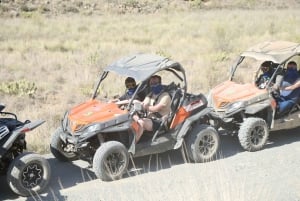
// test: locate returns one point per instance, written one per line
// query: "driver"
(291, 75)
(157, 104)
(290, 89)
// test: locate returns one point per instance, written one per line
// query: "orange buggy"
(104, 134)
(250, 109)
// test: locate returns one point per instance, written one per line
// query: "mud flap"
(132, 146)
(2, 152)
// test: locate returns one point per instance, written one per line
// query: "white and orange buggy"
(104, 134)
(250, 109)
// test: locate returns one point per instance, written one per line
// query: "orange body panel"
(136, 128)
(93, 111)
(179, 117)
(273, 104)
(229, 92)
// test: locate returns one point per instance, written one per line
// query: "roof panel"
(140, 66)
(276, 51)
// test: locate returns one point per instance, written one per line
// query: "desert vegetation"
(52, 52)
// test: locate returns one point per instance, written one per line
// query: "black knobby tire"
(253, 134)
(110, 161)
(203, 143)
(57, 147)
(28, 174)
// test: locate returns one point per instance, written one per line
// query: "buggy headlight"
(92, 128)
(89, 131)
(235, 106)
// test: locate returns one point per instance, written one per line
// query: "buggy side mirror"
(2, 106)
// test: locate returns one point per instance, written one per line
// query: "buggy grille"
(3, 131)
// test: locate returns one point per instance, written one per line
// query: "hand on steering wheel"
(138, 109)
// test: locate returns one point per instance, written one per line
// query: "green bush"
(20, 88)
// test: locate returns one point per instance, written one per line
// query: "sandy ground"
(270, 174)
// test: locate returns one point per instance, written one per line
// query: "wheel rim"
(115, 163)
(257, 135)
(207, 145)
(32, 175)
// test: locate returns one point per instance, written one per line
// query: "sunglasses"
(130, 85)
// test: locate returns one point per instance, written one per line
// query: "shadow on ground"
(229, 147)
(283, 137)
(67, 175)
(63, 176)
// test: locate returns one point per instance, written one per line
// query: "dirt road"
(270, 174)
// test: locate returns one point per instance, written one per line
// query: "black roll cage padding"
(275, 72)
(235, 66)
(171, 114)
(175, 73)
(103, 76)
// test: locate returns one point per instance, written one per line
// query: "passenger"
(130, 89)
(157, 104)
(266, 75)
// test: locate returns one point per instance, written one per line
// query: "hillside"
(18, 8)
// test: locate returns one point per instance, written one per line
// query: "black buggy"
(27, 173)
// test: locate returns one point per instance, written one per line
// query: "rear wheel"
(253, 134)
(203, 143)
(60, 149)
(28, 174)
(110, 161)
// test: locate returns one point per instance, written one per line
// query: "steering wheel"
(262, 83)
(138, 109)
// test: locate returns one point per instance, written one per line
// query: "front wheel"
(253, 134)
(60, 149)
(110, 161)
(203, 143)
(28, 174)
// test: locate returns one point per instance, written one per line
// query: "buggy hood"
(93, 111)
(229, 92)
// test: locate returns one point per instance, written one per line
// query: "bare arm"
(155, 108)
(294, 86)
(158, 107)
(122, 102)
